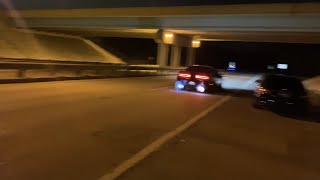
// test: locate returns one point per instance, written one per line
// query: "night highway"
(160, 90)
(87, 129)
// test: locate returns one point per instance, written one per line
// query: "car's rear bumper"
(192, 85)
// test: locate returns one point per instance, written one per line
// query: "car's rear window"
(283, 82)
(203, 69)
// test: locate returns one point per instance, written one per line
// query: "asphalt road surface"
(84, 129)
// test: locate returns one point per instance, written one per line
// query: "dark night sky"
(69, 4)
(304, 59)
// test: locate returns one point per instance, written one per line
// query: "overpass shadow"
(235, 93)
(312, 114)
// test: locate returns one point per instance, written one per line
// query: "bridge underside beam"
(247, 36)
(102, 32)
(254, 36)
(269, 23)
(273, 8)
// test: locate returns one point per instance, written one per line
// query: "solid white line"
(124, 166)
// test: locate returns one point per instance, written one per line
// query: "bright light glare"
(179, 85)
(232, 66)
(168, 35)
(262, 90)
(184, 75)
(201, 88)
(282, 66)
(168, 38)
(196, 44)
(202, 77)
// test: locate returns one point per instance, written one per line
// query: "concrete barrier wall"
(22, 43)
(23, 70)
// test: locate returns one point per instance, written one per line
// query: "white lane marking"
(146, 151)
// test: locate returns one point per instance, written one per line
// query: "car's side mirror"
(259, 81)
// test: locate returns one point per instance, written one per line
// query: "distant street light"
(196, 43)
(168, 38)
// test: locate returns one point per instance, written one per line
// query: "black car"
(282, 93)
(199, 78)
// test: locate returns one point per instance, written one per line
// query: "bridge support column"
(191, 55)
(162, 54)
(175, 56)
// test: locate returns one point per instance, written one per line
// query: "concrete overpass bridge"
(183, 26)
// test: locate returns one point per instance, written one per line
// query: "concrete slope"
(16, 43)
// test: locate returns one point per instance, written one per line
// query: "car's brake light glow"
(202, 77)
(262, 90)
(184, 75)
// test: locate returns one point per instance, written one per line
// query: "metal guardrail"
(30, 68)
(48, 61)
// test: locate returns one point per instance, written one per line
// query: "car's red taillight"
(262, 90)
(202, 77)
(184, 75)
